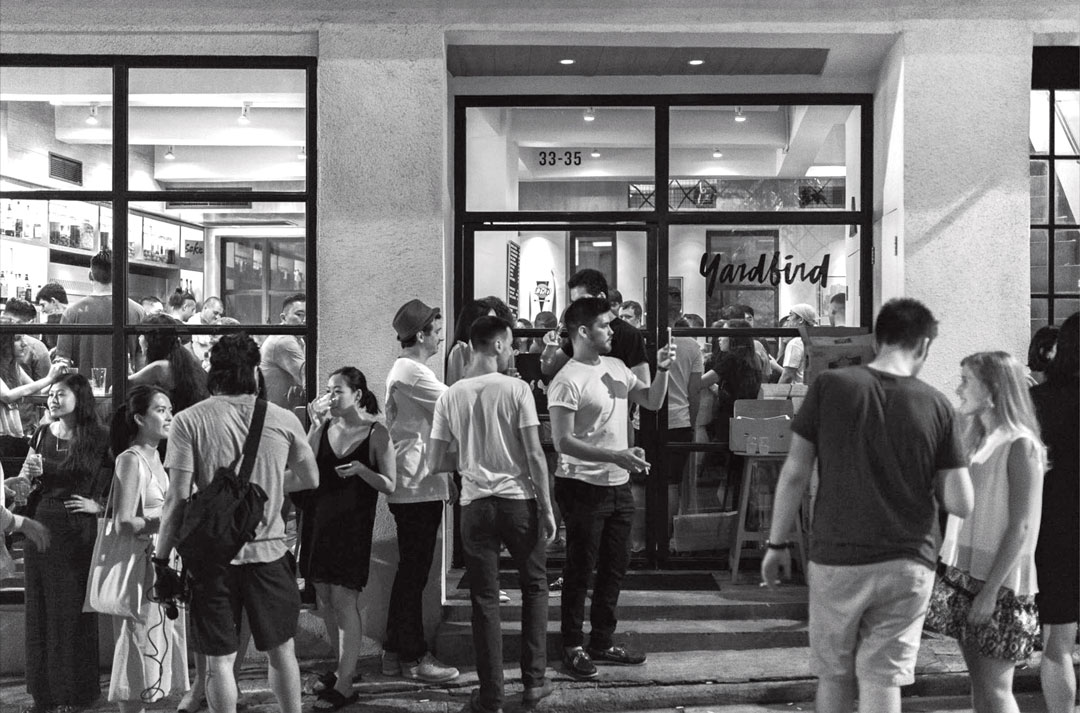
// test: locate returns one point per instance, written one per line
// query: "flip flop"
(335, 700)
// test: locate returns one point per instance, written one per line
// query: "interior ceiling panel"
(593, 61)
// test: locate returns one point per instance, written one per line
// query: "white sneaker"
(428, 669)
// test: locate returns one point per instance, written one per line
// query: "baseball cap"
(806, 312)
(413, 316)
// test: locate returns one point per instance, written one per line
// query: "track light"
(696, 62)
(92, 117)
(739, 115)
(302, 154)
(595, 153)
(244, 118)
(716, 154)
(566, 61)
(590, 114)
(169, 155)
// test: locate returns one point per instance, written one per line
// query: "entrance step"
(731, 602)
(454, 643)
(714, 616)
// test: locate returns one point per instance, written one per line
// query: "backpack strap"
(251, 444)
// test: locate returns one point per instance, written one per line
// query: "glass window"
(1066, 191)
(54, 241)
(195, 254)
(764, 158)
(1066, 261)
(1066, 123)
(1065, 307)
(769, 268)
(528, 269)
(1040, 191)
(56, 128)
(217, 129)
(560, 158)
(1039, 264)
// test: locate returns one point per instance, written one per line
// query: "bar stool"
(757, 409)
(742, 535)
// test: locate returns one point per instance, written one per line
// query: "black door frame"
(656, 222)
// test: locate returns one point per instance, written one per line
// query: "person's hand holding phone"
(351, 469)
(665, 355)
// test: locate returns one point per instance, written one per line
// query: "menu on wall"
(513, 273)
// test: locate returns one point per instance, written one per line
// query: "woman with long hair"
(14, 385)
(150, 658)
(171, 366)
(994, 547)
(736, 371)
(1041, 352)
(356, 462)
(74, 470)
(1057, 554)
(460, 354)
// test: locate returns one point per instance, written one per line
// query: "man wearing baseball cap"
(794, 364)
(417, 501)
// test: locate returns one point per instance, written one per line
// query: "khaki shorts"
(866, 620)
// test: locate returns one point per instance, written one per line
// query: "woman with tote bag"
(150, 658)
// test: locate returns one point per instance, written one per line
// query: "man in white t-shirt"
(588, 400)
(491, 417)
(794, 360)
(417, 501)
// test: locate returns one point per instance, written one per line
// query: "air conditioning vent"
(65, 169)
(208, 205)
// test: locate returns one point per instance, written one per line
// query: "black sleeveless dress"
(344, 515)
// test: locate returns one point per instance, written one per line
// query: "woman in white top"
(996, 543)
(150, 659)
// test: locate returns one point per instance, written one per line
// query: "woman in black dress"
(1057, 554)
(61, 641)
(356, 462)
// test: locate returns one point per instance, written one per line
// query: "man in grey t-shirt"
(887, 453)
(260, 580)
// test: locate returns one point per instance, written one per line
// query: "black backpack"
(222, 518)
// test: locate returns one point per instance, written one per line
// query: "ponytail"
(369, 403)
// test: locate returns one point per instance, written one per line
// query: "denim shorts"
(866, 620)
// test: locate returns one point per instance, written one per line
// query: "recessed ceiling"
(593, 61)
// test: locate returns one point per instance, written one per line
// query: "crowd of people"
(891, 453)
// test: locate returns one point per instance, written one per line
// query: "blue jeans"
(598, 519)
(487, 524)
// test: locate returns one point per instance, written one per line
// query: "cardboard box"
(704, 531)
(776, 429)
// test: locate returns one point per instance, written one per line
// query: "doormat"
(633, 581)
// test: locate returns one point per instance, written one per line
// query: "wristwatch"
(779, 545)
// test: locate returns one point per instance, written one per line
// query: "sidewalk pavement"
(698, 681)
(1028, 702)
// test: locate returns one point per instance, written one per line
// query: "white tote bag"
(120, 571)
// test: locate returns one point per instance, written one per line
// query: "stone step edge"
(650, 627)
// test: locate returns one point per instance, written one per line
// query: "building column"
(383, 201)
(965, 183)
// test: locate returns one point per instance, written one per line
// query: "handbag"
(120, 571)
(1011, 632)
(223, 517)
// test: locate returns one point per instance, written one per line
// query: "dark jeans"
(597, 521)
(486, 524)
(417, 534)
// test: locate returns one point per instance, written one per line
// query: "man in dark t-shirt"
(888, 453)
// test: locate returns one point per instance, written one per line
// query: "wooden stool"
(742, 536)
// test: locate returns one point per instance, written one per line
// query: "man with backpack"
(260, 579)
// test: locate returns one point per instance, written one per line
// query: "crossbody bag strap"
(251, 444)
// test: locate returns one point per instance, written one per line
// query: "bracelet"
(779, 545)
(160, 560)
(662, 368)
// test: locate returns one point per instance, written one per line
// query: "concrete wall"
(965, 201)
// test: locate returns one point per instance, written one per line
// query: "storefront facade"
(934, 148)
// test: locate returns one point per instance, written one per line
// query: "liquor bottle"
(28, 291)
